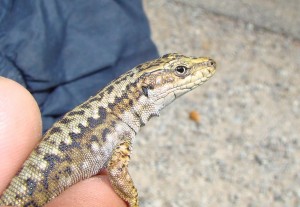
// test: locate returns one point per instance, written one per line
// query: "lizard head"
(166, 78)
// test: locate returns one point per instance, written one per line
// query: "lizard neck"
(141, 112)
(123, 99)
(129, 103)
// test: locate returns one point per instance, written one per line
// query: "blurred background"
(245, 148)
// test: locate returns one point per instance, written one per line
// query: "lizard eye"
(181, 70)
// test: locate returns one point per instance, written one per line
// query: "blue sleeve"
(65, 51)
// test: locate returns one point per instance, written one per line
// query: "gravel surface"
(245, 151)
(279, 16)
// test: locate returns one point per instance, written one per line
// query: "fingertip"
(95, 191)
(20, 131)
(20, 128)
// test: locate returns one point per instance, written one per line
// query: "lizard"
(98, 133)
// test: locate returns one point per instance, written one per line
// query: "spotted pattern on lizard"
(98, 133)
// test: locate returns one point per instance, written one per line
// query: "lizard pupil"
(180, 70)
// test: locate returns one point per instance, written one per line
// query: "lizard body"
(98, 133)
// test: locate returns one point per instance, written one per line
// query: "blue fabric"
(64, 51)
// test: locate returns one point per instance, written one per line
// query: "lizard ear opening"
(145, 91)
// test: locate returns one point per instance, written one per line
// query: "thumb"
(20, 128)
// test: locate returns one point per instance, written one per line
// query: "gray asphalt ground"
(246, 149)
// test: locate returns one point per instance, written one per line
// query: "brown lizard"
(98, 133)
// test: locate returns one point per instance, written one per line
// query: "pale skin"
(21, 130)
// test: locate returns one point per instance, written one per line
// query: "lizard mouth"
(201, 76)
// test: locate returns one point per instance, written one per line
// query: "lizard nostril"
(212, 63)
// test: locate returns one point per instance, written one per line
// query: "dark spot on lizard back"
(67, 158)
(89, 146)
(68, 170)
(133, 85)
(130, 73)
(111, 106)
(65, 121)
(139, 67)
(31, 185)
(72, 113)
(82, 128)
(125, 96)
(104, 134)
(74, 144)
(119, 99)
(85, 105)
(94, 138)
(102, 112)
(79, 135)
(75, 136)
(96, 98)
(52, 161)
(17, 197)
(121, 79)
(38, 149)
(94, 122)
(116, 101)
(110, 89)
(128, 87)
(31, 204)
(172, 55)
(130, 102)
(63, 146)
(155, 64)
(55, 130)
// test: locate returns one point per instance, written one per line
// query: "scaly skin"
(98, 133)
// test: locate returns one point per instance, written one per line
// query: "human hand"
(20, 131)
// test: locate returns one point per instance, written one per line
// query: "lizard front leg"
(119, 176)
